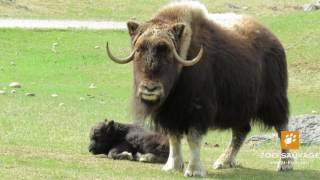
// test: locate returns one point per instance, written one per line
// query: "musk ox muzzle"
(150, 92)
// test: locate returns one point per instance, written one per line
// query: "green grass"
(41, 140)
(80, 9)
(127, 9)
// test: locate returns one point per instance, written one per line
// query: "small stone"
(61, 104)
(92, 86)
(55, 44)
(15, 85)
(97, 47)
(13, 91)
(12, 63)
(81, 98)
(313, 112)
(54, 95)
(90, 96)
(2, 92)
(311, 7)
(30, 94)
(54, 47)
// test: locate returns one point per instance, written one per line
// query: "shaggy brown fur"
(241, 76)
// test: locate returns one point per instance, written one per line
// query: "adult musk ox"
(193, 73)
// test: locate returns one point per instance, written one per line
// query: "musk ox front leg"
(195, 167)
(175, 161)
(227, 159)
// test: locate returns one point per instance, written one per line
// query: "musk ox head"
(157, 58)
(102, 137)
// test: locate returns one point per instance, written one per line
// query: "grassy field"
(128, 9)
(45, 137)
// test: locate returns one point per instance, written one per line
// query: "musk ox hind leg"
(175, 161)
(195, 167)
(286, 158)
(227, 159)
(151, 158)
(124, 155)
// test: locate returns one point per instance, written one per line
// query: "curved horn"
(188, 62)
(119, 60)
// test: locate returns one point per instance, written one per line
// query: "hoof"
(147, 158)
(125, 156)
(173, 165)
(224, 165)
(195, 171)
(285, 164)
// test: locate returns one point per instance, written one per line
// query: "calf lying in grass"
(127, 141)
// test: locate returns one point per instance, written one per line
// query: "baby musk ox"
(194, 72)
(127, 141)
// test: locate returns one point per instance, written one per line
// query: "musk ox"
(131, 142)
(194, 72)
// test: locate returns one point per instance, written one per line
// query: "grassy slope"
(80, 9)
(300, 35)
(126, 9)
(41, 140)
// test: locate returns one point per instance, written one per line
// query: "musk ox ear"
(109, 127)
(132, 27)
(178, 30)
(109, 123)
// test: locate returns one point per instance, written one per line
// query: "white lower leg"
(195, 167)
(227, 159)
(286, 161)
(175, 161)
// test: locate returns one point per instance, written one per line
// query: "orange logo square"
(290, 139)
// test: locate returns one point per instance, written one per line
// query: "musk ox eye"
(141, 48)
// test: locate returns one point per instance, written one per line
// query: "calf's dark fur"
(127, 141)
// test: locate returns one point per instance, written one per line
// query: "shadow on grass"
(248, 173)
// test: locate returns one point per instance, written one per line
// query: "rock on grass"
(30, 94)
(92, 86)
(15, 85)
(307, 125)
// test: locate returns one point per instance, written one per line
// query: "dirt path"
(60, 24)
(224, 19)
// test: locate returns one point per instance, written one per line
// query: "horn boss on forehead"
(178, 31)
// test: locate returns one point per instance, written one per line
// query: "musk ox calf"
(131, 142)
(194, 71)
